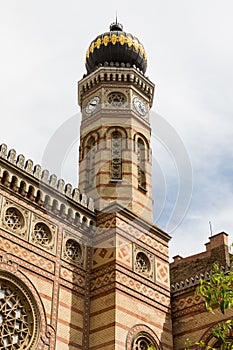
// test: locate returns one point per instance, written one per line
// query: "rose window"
(17, 322)
(143, 343)
(142, 262)
(116, 99)
(73, 250)
(42, 234)
(14, 219)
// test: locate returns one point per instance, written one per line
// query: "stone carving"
(11, 156)
(53, 180)
(68, 190)
(45, 176)
(37, 171)
(143, 262)
(29, 166)
(20, 161)
(3, 150)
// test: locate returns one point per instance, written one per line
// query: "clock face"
(92, 104)
(140, 106)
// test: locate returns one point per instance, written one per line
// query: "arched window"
(20, 319)
(91, 161)
(141, 154)
(116, 161)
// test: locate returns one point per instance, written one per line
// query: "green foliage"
(218, 290)
(218, 294)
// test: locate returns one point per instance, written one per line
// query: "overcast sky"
(190, 55)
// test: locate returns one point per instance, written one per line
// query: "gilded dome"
(116, 48)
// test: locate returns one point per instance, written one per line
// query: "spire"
(116, 26)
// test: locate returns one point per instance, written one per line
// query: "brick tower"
(129, 283)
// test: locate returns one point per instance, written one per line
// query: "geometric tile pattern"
(184, 303)
(72, 277)
(141, 288)
(104, 254)
(27, 255)
(124, 252)
(138, 234)
(129, 282)
(162, 273)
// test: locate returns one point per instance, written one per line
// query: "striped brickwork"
(99, 125)
(57, 283)
(120, 297)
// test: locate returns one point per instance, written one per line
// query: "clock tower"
(115, 98)
(129, 283)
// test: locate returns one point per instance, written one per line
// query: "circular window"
(18, 319)
(143, 342)
(14, 219)
(142, 262)
(42, 234)
(73, 250)
(116, 99)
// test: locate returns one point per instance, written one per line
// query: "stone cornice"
(108, 75)
(131, 217)
(37, 186)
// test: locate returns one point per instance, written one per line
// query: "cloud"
(190, 60)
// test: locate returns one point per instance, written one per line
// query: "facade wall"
(122, 296)
(44, 255)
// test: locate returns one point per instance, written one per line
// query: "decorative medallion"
(43, 234)
(14, 218)
(73, 250)
(143, 262)
(116, 99)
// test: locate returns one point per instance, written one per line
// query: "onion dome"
(116, 48)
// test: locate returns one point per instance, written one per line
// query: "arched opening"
(5, 179)
(141, 158)
(22, 188)
(14, 184)
(30, 193)
(91, 149)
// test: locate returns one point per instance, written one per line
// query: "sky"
(190, 55)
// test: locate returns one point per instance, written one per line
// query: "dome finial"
(116, 26)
